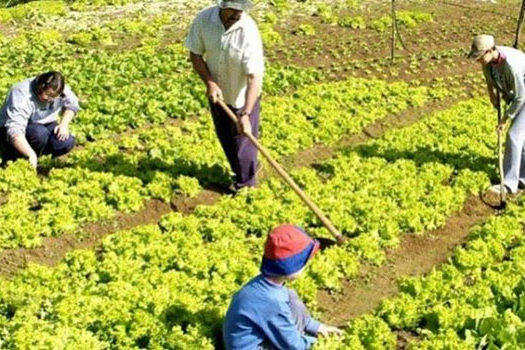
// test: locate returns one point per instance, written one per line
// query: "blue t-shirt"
(260, 313)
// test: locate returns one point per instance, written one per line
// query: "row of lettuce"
(20, 9)
(475, 301)
(150, 84)
(146, 80)
(107, 176)
(122, 90)
(168, 285)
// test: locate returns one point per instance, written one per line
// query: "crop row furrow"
(474, 301)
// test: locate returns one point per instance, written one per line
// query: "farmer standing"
(504, 70)
(265, 314)
(28, 118)
(226, 51)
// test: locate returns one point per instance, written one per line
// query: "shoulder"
(249, 25)
(22, 88)
(256, 295)
(20, 94)
(67, 88)
(205, 15)
(513, 56)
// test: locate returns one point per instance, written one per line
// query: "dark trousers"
(241, 153)
(41, 138)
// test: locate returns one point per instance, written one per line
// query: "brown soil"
(335, 49)
(186, 205)
(416, 255)
(405, 338)
(53, 249)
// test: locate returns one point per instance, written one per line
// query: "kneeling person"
(265, 314)
(29, 115)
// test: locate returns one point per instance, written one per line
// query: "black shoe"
(231, 189)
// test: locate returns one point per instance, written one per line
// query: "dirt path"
(53, 249)
(416, 255)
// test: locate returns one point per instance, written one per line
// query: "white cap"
(241, 5)
(481, 44)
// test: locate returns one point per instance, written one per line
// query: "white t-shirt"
(229, 54)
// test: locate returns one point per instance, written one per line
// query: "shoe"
(231, 189)
(496, 189)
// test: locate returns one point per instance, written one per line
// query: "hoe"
(503, 201)
(304, 197)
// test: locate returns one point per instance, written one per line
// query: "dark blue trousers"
(241, 153)
(41, 138)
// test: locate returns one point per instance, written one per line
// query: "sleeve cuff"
(11, 133)
(312, 326)
(75, 109)
(192, 49)
(254, 69)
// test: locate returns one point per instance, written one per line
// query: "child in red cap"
(265, 314)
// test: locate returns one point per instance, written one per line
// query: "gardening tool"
(338, 236)
(503, 202)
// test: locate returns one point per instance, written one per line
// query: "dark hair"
(53, 81)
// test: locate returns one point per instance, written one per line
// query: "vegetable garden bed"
(154, 273)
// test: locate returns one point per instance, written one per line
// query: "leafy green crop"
(409, 19)
(156, 163)
(32, 10)
(474, 301)
(168, 285)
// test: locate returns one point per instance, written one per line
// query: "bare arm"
(67, 117)
(200, 67)
(62, 129)
(214, 92)
(252, 92)
(20, 143)
(492, 95)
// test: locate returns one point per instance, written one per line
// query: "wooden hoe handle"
(500, 156)
(338, 236)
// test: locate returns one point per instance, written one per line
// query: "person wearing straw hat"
(504, 71)
(265, 314)
(226, 51)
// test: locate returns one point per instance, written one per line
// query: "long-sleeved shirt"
(508, 77)
(22, 106)
(260, 313)
(231, 54)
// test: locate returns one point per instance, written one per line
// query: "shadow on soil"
(422, 155)
(215, 176)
